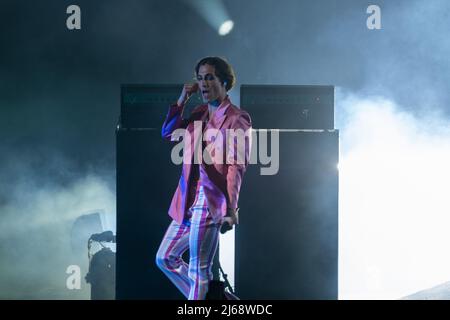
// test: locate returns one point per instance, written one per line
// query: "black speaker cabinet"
(146, 180)
(145, 105)
(287, 240)
(289, 106)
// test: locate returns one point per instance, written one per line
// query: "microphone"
(225, 227)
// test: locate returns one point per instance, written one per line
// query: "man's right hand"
(188, 90)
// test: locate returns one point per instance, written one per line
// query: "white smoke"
(394, 208)
(35, 234)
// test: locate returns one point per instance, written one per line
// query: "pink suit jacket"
(221, 180)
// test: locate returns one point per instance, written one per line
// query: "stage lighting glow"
(215, 14)
(226, 27)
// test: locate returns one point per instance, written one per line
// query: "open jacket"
(221, 180)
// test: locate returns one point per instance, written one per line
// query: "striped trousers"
(200, 235)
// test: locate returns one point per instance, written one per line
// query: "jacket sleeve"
(173, 121)
(238, 158)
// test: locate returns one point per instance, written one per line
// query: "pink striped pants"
(200, 235)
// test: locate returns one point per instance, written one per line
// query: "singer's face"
(210, 86)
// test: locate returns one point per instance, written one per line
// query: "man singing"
(207, 194)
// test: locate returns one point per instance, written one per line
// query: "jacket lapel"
(219, 116)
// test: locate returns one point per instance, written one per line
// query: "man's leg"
(203, 240)
(169, 260)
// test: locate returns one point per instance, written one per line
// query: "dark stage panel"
(287, 240)
(146, 180)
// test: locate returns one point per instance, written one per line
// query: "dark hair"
(223, 70)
